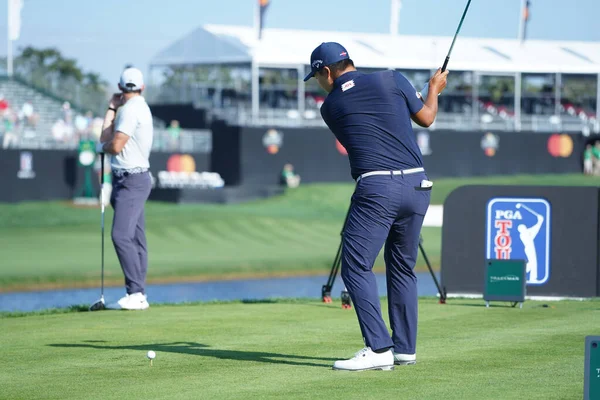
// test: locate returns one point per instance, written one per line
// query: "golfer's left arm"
(325, 116)
(426, 116)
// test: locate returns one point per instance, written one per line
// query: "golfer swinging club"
(128, 138)
(370, 115)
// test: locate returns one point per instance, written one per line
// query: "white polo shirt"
(135, 120)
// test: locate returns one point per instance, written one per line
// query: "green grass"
(53, 244)
(443, 187)
(286, 349)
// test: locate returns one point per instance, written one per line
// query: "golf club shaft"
(530, 210)
(102, 222)
(455, 36)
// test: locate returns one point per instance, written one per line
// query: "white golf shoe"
(134, 301)
(367, 359)
(405, 359)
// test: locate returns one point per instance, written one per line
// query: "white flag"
(14, 18)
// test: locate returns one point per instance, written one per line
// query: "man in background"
(588, 161)
(596, 158)
(127, 136)
(174, 131)
(289, 177)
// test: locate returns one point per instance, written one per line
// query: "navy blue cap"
(326, 54)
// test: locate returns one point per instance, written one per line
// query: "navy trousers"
(385, 209)
(128, 233)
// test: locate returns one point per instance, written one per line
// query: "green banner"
(505, 280)
(87, 152)
(591, 383)
(87, 157)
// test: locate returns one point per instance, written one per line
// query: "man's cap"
(326, 54)
(131, 79)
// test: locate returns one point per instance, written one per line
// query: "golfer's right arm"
(427, 115)
(108, 125)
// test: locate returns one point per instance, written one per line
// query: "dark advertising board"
(555, 229)
(29, 175)
(257, 155)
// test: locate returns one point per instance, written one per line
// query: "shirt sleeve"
(408, 91)
(126, 122)
(325, 116)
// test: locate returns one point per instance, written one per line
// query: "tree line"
(49, 70)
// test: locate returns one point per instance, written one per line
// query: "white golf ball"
(151, 355)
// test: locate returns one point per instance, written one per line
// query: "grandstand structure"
(498, 84)
(59, 125)
(48, 110)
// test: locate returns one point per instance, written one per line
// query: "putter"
(455, 35)
(99, 304)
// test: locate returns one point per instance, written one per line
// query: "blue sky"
(104, 35)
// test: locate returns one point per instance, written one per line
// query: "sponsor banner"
(520, 229)
(26, 166)
(181, 173)
(272, 140)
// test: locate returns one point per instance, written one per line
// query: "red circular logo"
(181, 163)
(560, 145)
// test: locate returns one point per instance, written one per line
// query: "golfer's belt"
(400, 172)
(126, 172)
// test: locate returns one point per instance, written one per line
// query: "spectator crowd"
(21, 122)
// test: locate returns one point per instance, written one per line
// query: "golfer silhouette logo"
(527, 236)
(519, 229)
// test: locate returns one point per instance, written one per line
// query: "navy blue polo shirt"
(370, 116)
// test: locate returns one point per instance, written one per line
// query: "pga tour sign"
(519, 228)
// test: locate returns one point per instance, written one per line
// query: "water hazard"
(252, 289)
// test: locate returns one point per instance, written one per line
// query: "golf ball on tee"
(151, 355)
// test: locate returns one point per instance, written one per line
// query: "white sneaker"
(405, 359)
(366, 359)
(134, 301)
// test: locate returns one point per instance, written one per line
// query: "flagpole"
(522, 22)
(9, 55)
(396, 5)
(257, 19)
(254, 69)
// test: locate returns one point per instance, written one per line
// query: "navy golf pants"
(385, 209)
(128, 234)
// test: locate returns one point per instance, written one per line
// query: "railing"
(200, 141)
(188, 140)
(447, 121)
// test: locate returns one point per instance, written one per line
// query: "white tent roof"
(289, 48)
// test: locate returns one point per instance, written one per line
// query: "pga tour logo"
(519, 229)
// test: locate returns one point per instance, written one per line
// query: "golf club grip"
(102, 168)
(445, 64)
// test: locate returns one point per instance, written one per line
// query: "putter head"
(98, 305)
